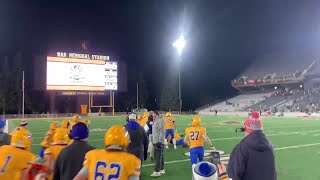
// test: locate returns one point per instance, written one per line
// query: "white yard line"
(266, 128)
(230, 138)
(276, 149)
(297, 146)
(275, 134)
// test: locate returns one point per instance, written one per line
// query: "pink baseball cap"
(253, 123)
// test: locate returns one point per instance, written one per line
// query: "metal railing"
(58, 115)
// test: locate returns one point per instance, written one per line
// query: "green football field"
(296, 142)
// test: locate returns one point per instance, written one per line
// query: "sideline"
(61, 118)
(276, 149)
(275, 134)
(228, 138)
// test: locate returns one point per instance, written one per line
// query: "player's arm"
(83, 174)
(24, 174)
(186, 140)
(133, 168)
(49, 161)
(207, 139)
(133, 178)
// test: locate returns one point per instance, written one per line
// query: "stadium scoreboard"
(81, 72)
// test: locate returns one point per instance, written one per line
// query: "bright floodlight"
(179, 44)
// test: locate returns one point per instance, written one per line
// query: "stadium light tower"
(179, 44)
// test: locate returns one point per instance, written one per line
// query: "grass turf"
(296, 143)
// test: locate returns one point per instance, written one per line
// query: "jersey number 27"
(194, 135)
(102, 166)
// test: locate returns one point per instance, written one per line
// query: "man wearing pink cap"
(253, 158)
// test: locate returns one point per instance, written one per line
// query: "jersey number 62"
(113, 171)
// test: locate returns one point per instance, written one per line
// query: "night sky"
(223, 37)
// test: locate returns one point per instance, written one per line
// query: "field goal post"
(110, 105)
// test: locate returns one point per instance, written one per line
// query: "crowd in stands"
(303, 101)
(284, 100)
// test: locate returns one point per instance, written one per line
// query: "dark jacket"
(4, 139)
(253, 159)
(138, 145)
(149, 124)
(70, 160)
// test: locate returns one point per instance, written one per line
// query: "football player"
(24, 125)
(46, 142)
(178, 138)
(169, 123)
(194, 139)
(75, 120)
(112, 162)
(59, 141)
(65, 124)
(139, 120)
(143, 119)
(15, 158)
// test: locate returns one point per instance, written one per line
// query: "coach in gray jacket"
(158, 140)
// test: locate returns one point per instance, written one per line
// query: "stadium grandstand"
(275, 83)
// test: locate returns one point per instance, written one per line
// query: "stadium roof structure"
(280, 65)
(275, 69)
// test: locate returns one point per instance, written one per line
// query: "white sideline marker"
(6, 128)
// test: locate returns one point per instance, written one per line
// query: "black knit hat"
(156, 112)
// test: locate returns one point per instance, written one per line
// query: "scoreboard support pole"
(110, 95)
(89, 103)
(113, 103)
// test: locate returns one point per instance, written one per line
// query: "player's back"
(12, 161)
(169, 122)
(54, 150)
(111, 164)
(195, 135)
